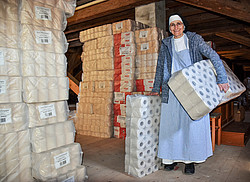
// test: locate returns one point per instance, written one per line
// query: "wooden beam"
(105, 8)
(73, 84)
(238, 10)
(235, 37)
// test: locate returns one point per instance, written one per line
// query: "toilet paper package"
(9, 62)
(123, 38)
(52, 136)
(45, 89)
(148, 47)
(42, 39)
(96, 32)
(17, 170)
(78, 174)
(14, 145)
(104, 86)
(96, 54)
(196, 88)
(43, 15)
(142, 130)
(148, 34)
(127, 25)
(98, 75)
(68, 6)
(54, 163)
(9, 34)
(40, 64)
(13, 117)
(9, 10)
(10, 89)
(41, 114)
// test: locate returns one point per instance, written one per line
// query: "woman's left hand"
(224, 87)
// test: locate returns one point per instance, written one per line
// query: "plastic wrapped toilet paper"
(126, 26)
(41, 114)
(38, 63)
(9, 36)
(148, 34)
(96, 32)
(9, 10)
(197, 90)
(14, 145)
(51, 136)
(40, 14)
(43, 39)
(9, 62)
(54, 163)
(45, 89)
(17, 170)
(141, 141)
(10, 89)
(13, 117)
(78, 174)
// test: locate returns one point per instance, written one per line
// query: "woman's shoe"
(189, 168)
(170, 167)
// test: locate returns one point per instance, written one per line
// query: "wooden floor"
(104, 159)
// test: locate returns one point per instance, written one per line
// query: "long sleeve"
(159, 70)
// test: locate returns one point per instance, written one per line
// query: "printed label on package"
(43, 13)
(119, 26)
(144, 46)
(143, 34)
(2, 86)
(119, 96)
(127, 37)
(43, 37)
(125, 50)
(47, 111)
(70, 179)
(1, 57)
(5, 116)
(102, 85)
(61, 160)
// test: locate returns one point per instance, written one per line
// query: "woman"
(182, 139)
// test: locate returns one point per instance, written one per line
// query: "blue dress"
(182, 139)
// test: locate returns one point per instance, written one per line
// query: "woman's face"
(177, 28)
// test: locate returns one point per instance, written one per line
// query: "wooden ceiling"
(224, 22)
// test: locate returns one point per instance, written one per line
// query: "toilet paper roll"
(60, 140)
(137, 154)
(150, 112)
(28, 69)
(136, 172)
(24, 143)
(12, 166)
(11, 146)
(149, 121)
(138, 123)
(157, 110)
(140, 112)
(53, 94)
(138, 143)
(43, 95)
(148, 141)
(139, 163)
(38, 139)
(137, 134)
(140, 102)
(156, 121)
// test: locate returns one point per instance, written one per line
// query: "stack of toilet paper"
(197, 90)
(79, 174)
(127, 25)
(148, 46)
(55, 163)
(96, 32)
(13, 117)
(15, 156)
(44, 113)
(10, 89)
(51, 136)
(142, 127)
(45, 89)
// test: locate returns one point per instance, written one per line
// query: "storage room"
(124, 91)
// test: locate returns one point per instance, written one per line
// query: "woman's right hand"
(154, 93)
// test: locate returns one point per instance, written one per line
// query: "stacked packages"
(148, 43)
(15, 151)
(94, 110)
(114, 53)
(141, 144)
(37, 140)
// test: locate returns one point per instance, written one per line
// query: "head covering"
(174, 17)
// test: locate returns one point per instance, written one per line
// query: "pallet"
(236, 133)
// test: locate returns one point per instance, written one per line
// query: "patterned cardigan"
(197, 48)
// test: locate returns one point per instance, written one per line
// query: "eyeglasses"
(177, 24)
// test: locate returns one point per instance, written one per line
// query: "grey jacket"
(197, 48)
